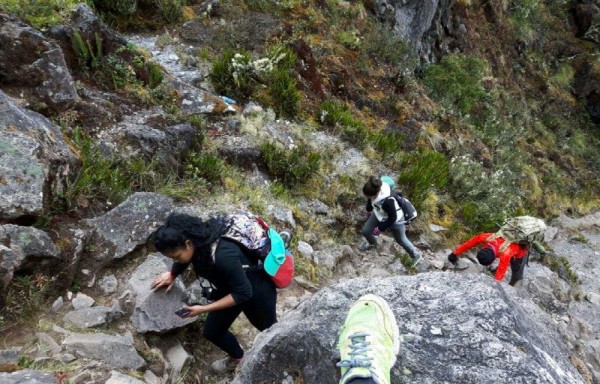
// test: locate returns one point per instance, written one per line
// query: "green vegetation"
(170, 11)
(562, 266)
(407, 261)
(203, 165)
(284, 95)
(456, 81)
(25, 297)
(40, 13)
(239, 76)
(292, 167)
(89, 53)
(420, 172)
(109, 179)
(231, 76)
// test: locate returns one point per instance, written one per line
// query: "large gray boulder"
(155, 311)
(35, 161)
(578, 240)
(426, 24)
(115, 351)
(137, 136)
(33, 67)
(128, 226)
(453, 328)
(28, 249)
(28, 376)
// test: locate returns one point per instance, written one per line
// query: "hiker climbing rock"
(510, 245)
(384, 212)
(220, 250)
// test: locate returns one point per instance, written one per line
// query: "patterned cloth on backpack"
(247, 230)
(524, 230)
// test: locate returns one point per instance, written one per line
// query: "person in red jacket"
(514, 254)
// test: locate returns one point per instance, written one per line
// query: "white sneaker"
(366, 246)
(224, 365)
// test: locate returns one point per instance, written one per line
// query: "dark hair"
(485, 256)
(179, 227)
(372, 187)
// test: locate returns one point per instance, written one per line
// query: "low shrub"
(336, 114)
(456, 81)
(155, 74)
(486, 198)
(204, 165)
(229, 77)
(292, 167)
(387, 143)
(284, 95)
(170, 11)
(239, 76)
(420, 172)
(381, 44)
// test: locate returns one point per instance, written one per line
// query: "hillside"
(115, 113)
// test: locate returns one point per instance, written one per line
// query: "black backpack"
(409, 211)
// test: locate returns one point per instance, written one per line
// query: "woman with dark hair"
(190, 240)
(385, 212)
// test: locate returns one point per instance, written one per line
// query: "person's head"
(182, 235)
(486, 256)
(372, 186)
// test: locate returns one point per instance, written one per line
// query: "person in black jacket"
(190, 240)
(384, 213)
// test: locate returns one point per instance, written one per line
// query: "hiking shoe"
(224, 365)
(416, 260)
(366, 246)
(286, 235)
(369, 341)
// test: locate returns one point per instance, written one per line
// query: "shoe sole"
(414, 264)
(387, 314)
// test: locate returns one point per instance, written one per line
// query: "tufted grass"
(25, 297)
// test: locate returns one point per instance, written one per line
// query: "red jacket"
(514, 250)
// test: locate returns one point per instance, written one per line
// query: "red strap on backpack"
(262, 223)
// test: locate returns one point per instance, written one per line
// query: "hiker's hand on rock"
(195, 310)
(163, 280)
(453, 258)
(376, 231)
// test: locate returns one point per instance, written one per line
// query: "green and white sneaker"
(369, 341)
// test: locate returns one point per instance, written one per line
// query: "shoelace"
(358, 352)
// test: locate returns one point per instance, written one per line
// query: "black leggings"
(517, 268)
(260, 311)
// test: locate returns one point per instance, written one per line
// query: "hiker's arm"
(229, 265)
(178, 268)
(390, 208)
(472, 242)
(504, 264)
(222, 303)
